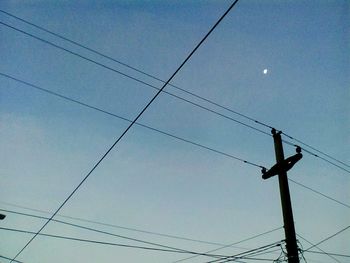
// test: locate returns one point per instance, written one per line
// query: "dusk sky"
(180, 178)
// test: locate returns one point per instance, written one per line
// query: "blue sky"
(153, 182)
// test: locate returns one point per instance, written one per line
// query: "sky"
(154, 187)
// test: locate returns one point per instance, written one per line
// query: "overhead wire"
(247, 253)
(108, 225)
(316, 155)
(316, 246)
(129, 120)
(315, 149)
(96, 230)
(2, 256)
(133, 78)
(98, 109)
(125, 237)
(328, 238)
(319, 193)
(170, 84)
(50, 92)
(98, 242)
(232, 244)
(328, 253)
(130, 125)
(268, 251)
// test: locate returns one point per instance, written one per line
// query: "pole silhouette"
(280, 169)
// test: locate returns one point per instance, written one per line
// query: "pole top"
(275, 132)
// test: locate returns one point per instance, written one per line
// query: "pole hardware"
(283, 166)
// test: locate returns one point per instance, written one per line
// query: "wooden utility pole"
(280, 169)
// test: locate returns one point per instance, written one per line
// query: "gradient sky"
(150, 181)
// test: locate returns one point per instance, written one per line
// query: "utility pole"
(280, 169)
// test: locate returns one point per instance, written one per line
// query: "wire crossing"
(330, 256)
(128, 120)
(133, 78)
(249, 253)
(176, 96)
(97, 242)
(183, 99)
(327, 238)
(168, 248)
(128, 128)
(164, 133)
(234, 243)
(162, 81)
(156, 78)
(117, 235)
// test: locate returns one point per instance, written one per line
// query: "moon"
(265, 71)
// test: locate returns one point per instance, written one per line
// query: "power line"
(105, 224)
(160, 131)
(95, 230)
(1, 256)
(244, 255)
(131, 124)
(328, 253)
(319, 193)
(317, 156)
(234, 243)
(132, 78)
(170, 84)
(327, 238)
(330, 256)
(324, 159)
(171, 94)
(176, 96)
(127, 238)
(109, 243)
(109, 233)
(97, 242)
(319, 151)
(120, 236)
(124, 237)
(247, 253)
(128, 120)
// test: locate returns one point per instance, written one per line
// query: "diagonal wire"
(319, 193)
(328, 253)
(128, 128)
(98, 231)
(172, 250)
(105, 224)
(132, 78)
(124, 237)
(2, 256)
(333, 258)
(234, 243)
(160, 80)
(126, 119)
(319, 151)
(176, 96)
(327, 238)
(317, 156)
(247, 253)
(161, 132)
